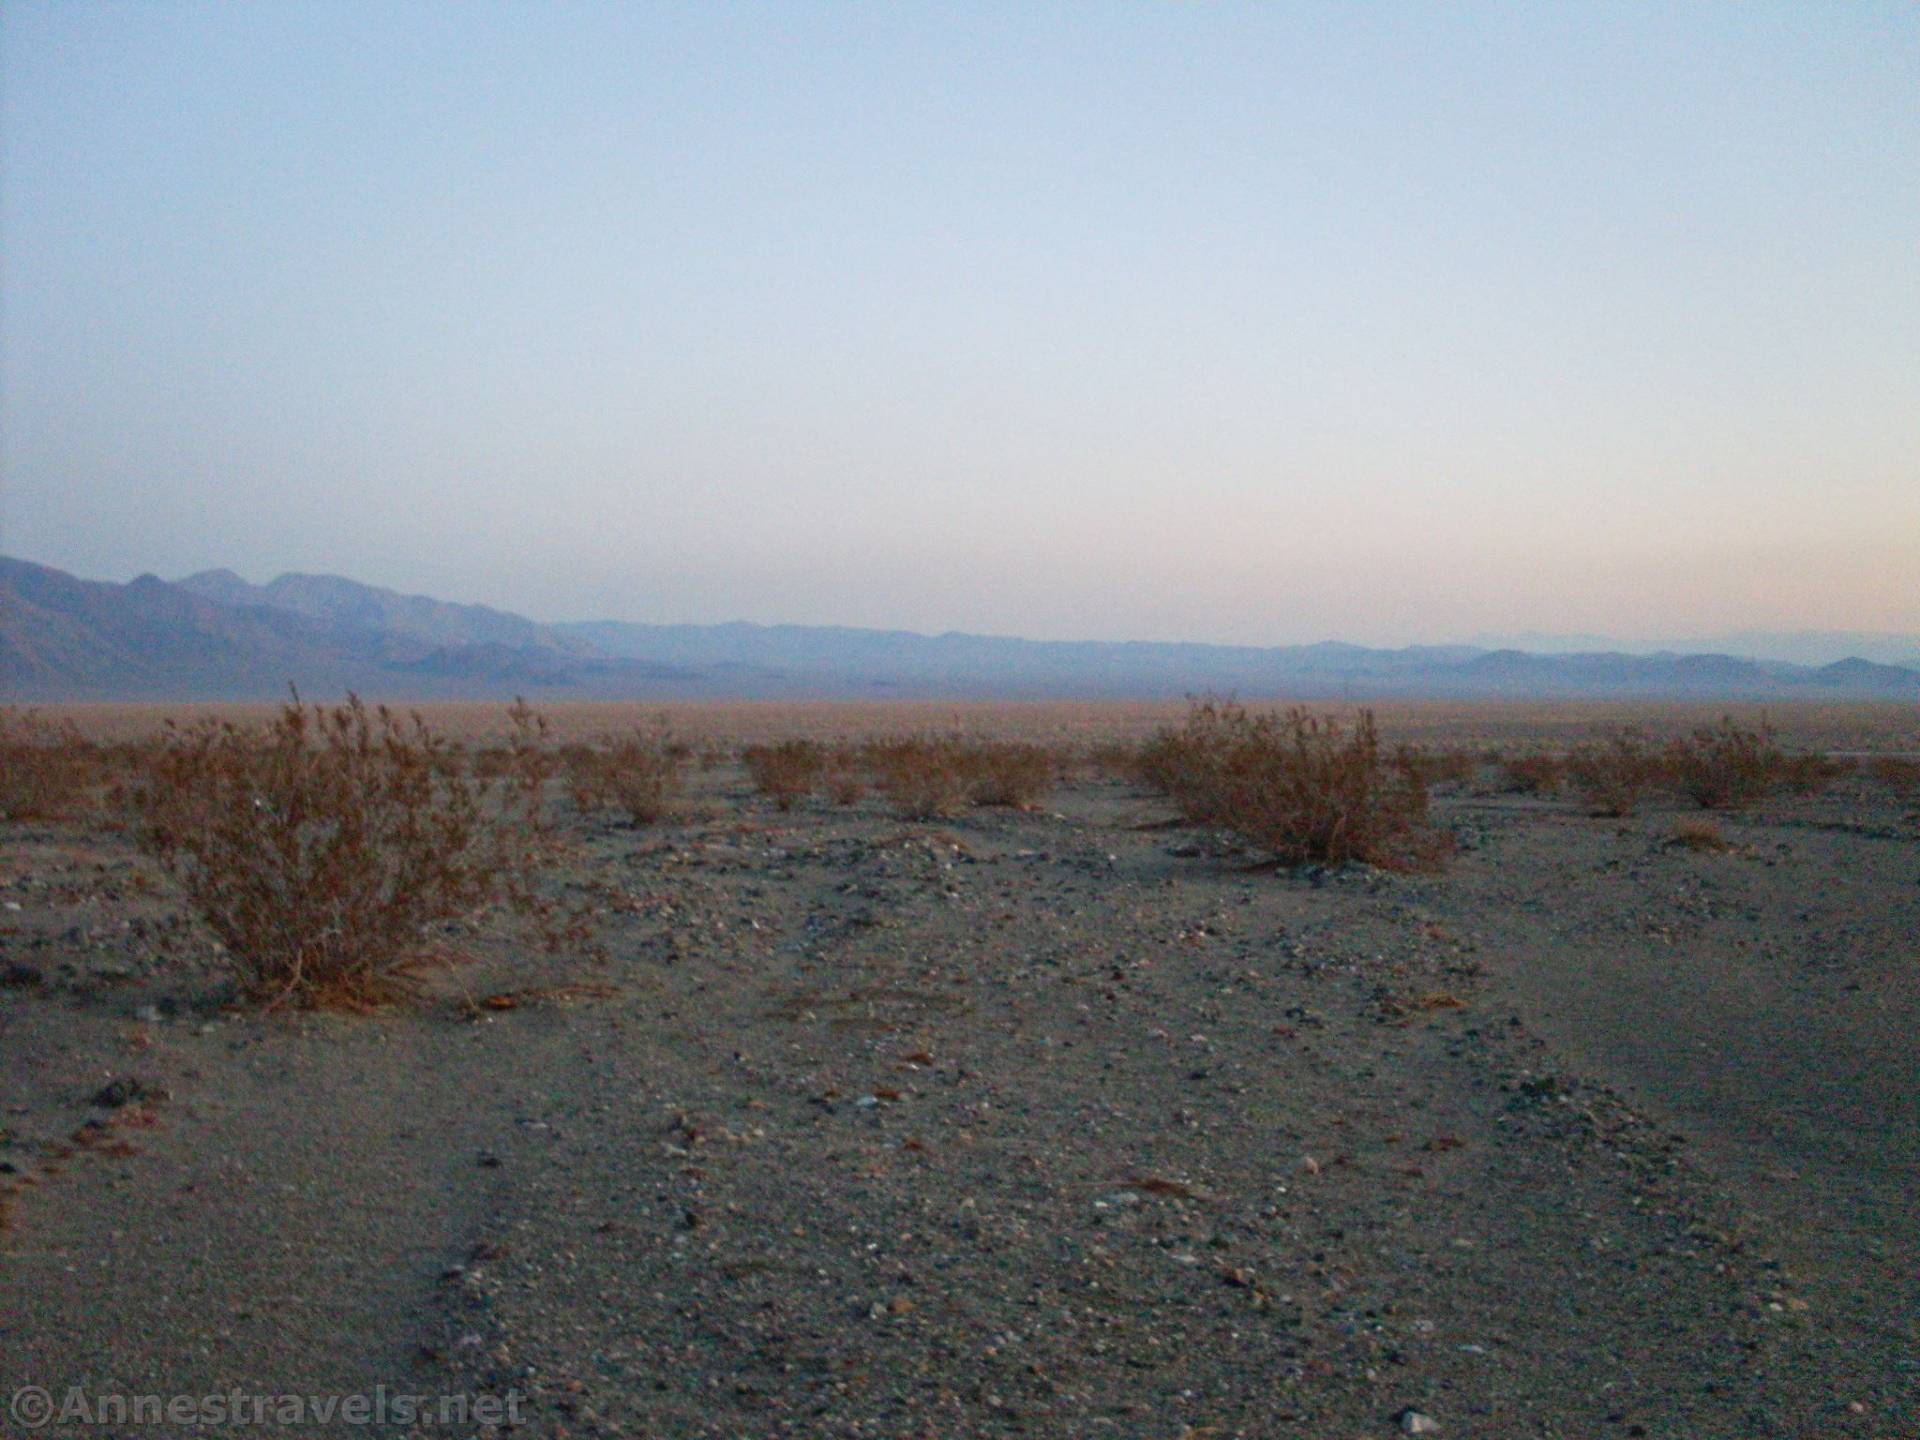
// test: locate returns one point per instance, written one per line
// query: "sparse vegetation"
(922, 775)
(46, 769)
(1896, 773)
(845, 782)
(1532, 774)
(1612, 775)
(1303, 786)
(1699, 833)
(637, 774)
(1007, 773)
(787, 772)
(1437, 766)
(327, 849)
(1726, 766)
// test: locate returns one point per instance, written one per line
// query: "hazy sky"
(1261, 323)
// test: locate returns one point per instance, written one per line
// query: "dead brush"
(46, 769)
(1114, 759)
(925, 777)
(329, 849)
(1532, 774)
(637, 774)
(1812, 772)
(1436, 767)
(1699, 833)
(787, 772)
(1896, 773)
(1613, 774)
(845, 781)
(1726, 766)
(1303, 786)
(1008, 773)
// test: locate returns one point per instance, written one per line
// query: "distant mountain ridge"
(214, 635)
(334, 601)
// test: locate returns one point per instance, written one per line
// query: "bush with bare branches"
(326, 850)
(1303, 786)
(1532, 774)
(1896, 773)
(1008, 773)
(46, 769)
(1726, 766)
(637, 774)
(922, 775)
(787, 772)
(1611, 775)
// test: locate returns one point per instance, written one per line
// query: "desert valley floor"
(1070, 1122)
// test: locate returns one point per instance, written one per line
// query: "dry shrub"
(637, 774)
(1612, 775)
(1114, 759)
(1532, 774)
(1303, 786)
(1896, 772)
(846, 782)
(1699, 833)
(1008, 773)
(46, 769)
(326, 849)
(1810, 773)
(924, 776)
(1726, 766)
(787, 772)
(1436, 767)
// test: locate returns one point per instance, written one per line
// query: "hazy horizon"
(1251, 325)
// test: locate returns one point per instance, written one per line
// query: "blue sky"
(1264, 323)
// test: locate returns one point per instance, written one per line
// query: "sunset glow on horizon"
(1256, 324)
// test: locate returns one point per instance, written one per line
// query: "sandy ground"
(1048, 1124)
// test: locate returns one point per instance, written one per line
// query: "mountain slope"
(333, 600)
(214, 636)
(63, 638)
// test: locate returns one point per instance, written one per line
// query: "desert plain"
(1071, 1121)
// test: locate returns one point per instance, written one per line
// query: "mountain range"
(215, 636)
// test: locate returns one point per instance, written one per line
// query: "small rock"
(148, 1015)
(116, 1093)
(1412, 1422)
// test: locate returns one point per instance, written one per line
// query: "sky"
(1250, 323)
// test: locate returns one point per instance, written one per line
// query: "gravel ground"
(1054, 1124)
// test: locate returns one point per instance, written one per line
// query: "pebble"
(1413, 1422)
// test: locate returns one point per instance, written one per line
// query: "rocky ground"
(1066, 1123)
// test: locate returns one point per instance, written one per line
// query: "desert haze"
(960, 722)
(213, 636)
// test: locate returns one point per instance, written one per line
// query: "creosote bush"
(1612, 775)
(1896, 773)
(326, 849)
(1437, 767)
(1008, 773)
(1699, 833)
(1726, 766)
(1303, 786)
(637, 774)
(846, 782)
(921, 775)
(1532, 774)
(933, 776)
(787, 772)
(46, 769)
